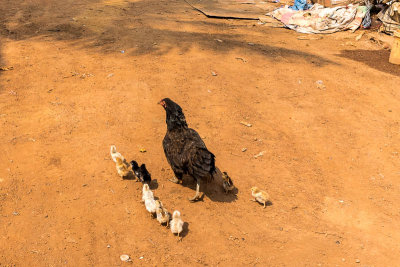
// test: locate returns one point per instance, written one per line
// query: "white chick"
(147, 193)
(115, 154)
(176, 223)
(148, 199)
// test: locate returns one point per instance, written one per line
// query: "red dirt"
(331, 161)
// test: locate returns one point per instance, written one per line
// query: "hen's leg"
(177, 179)
(197, 196)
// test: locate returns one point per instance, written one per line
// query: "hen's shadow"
(213, 190)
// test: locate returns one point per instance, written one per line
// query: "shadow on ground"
(378, 60)
(112, 28)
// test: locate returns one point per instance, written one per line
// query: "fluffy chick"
(123, 168)
(259, 195)
(135, 169)
(148, 199)
(147, 193)
(227, 183)
(115, 154)
(176, 223)
(162, 213)
(141, 173)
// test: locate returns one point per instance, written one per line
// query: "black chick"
(184, 149)
(135, 168)
(144, 175)
(141, 173)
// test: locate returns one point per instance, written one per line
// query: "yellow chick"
(227, 183)
(176, 224)
(123, 168)
(162, 213)
(259, 195)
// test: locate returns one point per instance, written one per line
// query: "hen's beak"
(162, 103)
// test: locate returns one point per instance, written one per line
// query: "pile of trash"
(390, 16)
(329, 16)
(318, 19)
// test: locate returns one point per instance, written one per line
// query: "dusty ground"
(331, 161)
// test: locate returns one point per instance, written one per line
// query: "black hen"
(141, 172)
(184, 148)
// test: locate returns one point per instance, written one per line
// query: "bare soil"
(88, 74)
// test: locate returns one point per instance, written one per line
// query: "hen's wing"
(173, 145)
(201, 162)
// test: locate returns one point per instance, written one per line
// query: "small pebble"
(244, 149)
(125, 258)
(358, 261)
(108, 246)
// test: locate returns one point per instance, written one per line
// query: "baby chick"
(162, 213)
(259, 195)
(115, 154)
(147, 193)
(141, 172)
(148, 199)
(176, 223)
(144, 175)
(135, 169)
(227, 182)
(123, 168)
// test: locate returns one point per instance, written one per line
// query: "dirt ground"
(88, 74)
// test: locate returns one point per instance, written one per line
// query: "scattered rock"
(6, 68)
(110, 75)
(259, 154)
(108, 246)
(213, 73)
(15, 213)
(246, 124)
(125, 258)
(250, 44)
(320, 84)
(244, 149)
(142, 150)
(358, 261)
(358, 38)
(219, 40)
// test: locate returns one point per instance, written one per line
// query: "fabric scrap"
(321, 20)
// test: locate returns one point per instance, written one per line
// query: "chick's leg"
(197, 196)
